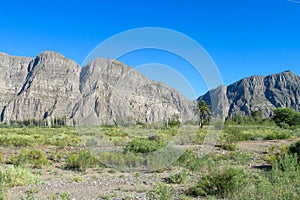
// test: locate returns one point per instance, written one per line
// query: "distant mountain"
(52, 86)
(264, 93)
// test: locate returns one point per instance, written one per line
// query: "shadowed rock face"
(51, 85)
(259, 93)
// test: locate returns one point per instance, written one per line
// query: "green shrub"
(233, 134)
(36, 158)
(240, 157)
(115, 132)
(228, 146)
(56, 156)
(142, 124)
(176, 178)
(16, 140)
(285, 178)
(161, 192)
(2, 186)
(76, 179)
(295, 149)
(221, 182)
(276, 153)
(282, 182)
(60, 196)
(190, 160)
(155, 138)
(200, 135)
(174, 123)
(27, 137)
(81, 161)
(62, 140)
(278, 136)
(167, 134)
(14, 176)
(286, 116)
(121, 159)
(143, 146)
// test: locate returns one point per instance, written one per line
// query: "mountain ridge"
(52, 86)
(263, 93)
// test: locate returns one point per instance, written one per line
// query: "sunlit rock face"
(52, 86)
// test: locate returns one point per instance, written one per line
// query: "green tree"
(203, 111)
(286, 116)
(256, 115)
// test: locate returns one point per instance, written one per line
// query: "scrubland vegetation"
(245, 163)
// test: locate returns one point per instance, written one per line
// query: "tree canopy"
(204, 112)
(286, 116)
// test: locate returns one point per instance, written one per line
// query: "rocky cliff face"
(49, 89)
(258, 93)
(51, 85)
(13, 74)
(113, 91)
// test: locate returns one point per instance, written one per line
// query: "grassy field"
(145, 161)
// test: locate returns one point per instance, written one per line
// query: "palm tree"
(204, 112)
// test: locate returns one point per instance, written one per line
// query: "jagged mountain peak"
(53, 58)
(288, 72)
(288, 75)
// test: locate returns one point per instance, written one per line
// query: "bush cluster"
(229, 182)
(220, 183)
(81, 161)
(14, 176)
(36, 158)
(285, 117)
(143, 146)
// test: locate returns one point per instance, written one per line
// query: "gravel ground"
(92, 185)
(113, 184)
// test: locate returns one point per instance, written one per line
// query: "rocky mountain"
(52, 86)
(263, 93)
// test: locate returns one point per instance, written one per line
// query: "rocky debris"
(93, 185)
(257, 93)
(52, 86)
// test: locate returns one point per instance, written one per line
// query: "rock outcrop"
(52, 86)
(257, 93)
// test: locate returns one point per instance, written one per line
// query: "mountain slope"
(115, 92)
(258, 93)
(54, 86)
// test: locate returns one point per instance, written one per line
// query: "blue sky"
(245, 37)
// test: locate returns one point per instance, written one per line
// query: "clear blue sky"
(243, 37)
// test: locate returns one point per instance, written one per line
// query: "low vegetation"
(35, 158)
(232, 170)
(143, 145)
(81, 161)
